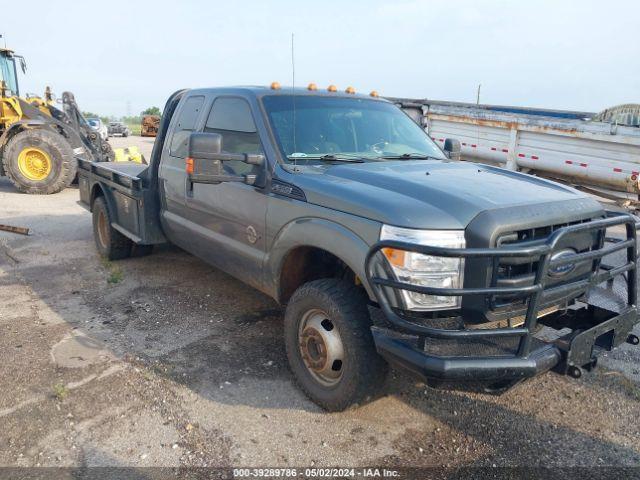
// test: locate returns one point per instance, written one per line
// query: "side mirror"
(205, 160)
(204, 146)
(452, 148)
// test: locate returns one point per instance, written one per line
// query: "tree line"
(129, 120)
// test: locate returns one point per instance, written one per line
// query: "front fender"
(320, 233)
(50, 123)
(16, 127)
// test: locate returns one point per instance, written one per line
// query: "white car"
(99, 127)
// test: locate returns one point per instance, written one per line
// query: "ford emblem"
(561, 270)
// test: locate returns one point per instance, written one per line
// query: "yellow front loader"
(39, 142)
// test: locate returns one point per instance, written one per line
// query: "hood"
(428, 194)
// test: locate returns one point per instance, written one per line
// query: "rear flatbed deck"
(124, 174)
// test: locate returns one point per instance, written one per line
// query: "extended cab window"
(231, 118)
(186, 124)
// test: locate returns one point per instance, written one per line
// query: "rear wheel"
(39, 161)
(329, 344)
(110, 242)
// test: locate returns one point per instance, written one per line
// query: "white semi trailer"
(599, 153)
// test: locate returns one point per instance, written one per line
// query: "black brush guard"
(592, 326)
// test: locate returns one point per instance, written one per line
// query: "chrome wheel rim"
(321, 347)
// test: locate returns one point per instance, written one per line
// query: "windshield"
(326, 128)
(8, 72)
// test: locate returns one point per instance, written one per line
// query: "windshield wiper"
(329, 157)
(410, 156)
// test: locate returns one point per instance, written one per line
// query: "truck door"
(229, 217)
(172, 175)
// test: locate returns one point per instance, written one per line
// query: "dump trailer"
(38, 140)
(150, 124)
(598, 153)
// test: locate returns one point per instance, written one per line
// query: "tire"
(39, 161)
(361, 370)
(111, 243)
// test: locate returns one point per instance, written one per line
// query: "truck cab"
(8, 72)
(383, 247)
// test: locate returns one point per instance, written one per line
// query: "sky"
(120, 57)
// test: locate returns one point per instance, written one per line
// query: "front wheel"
(39, 161)
(329, 344)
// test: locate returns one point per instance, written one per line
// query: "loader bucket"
(128, 154)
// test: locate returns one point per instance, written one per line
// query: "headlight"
(426, 270)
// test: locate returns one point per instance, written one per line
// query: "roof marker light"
(373, 93)
(332, 88)
(350, 90)
(275, 85)
(312, 86)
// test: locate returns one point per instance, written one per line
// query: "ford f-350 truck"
(383, 247)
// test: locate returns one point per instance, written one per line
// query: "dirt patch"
(78, 351)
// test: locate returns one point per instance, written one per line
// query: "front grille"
(521, 271)
(514, 269)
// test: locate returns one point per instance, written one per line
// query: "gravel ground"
(165, 361)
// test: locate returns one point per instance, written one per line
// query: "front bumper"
(506, 355)
(568, 354)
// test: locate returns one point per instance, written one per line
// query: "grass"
(135, 128)
(115, 276)
(115, 273)
(60, 391)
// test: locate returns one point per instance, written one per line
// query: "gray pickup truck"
(118, 128)
(383, 247)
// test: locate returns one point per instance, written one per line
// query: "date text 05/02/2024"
(315, 472)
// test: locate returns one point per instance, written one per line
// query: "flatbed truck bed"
(133, 203)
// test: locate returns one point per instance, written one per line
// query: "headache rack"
(532, 294)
